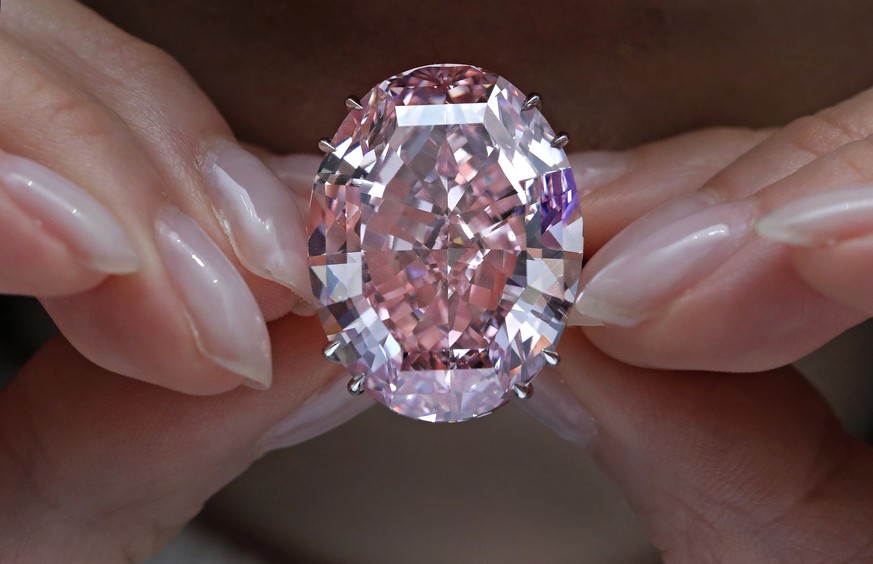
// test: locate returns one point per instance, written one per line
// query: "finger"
(57, 239)
(100, 468)
(830, 243)
(616, 188)
(727, 467)
(175, 325)
(703, 290)
(227, 190)
(137, 324)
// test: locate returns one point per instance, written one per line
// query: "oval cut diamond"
(445, 242)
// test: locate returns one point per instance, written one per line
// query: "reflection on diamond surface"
(446, 241)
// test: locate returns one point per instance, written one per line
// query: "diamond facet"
(445, 242)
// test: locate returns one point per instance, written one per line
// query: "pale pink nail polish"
(555, 405)
(261, 218)
(642, 273)
(227, 323)
(821, 219)
(595, 169)
(639, 230)
(329, 408)
(296, 172)
(69, 214)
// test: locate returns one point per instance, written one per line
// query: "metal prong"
(353, 103)
(330, 349)
(523, 391)
(325, 145)
(560, 140)
(356, 385)
(551, 357)
(533, 100)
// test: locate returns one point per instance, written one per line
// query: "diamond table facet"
(445, 242)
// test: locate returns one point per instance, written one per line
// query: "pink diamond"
(446, 242)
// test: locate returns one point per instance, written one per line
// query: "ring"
(445, 242)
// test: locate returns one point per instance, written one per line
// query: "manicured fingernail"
(639, 230)
(69, 214)
(641, 274)
(593, 169)
(821, 219)
(296, 172)
(555, 405)
(329, 408)
(261, 219)
(227, 323)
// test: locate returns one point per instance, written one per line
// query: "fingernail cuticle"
(821, 219)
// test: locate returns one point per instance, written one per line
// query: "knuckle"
(849, 126)
(826, 131)
(821, 133)
(858, 158)
(138, 61)
(75, 115)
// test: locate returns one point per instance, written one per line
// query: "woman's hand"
(745, 271)
(156, 243)
(101, 468)
(722, 467)
(748, 467)
(725, 467)
(159, 247)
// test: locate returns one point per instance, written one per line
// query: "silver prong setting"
(353, 103)
(551, 357)
(325, 145)
(329, 351)
(523, 391)
(356, 385)
(532, 101)
(560, 140)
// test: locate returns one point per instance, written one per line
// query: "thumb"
(101, 468)
(727, 467)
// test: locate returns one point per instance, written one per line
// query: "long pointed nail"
(821, 219)
(644, 274)
(640, 230)
(227, 323)
(295, 172)
(327, 409)
(555, 405)
(69, 214)
(261, 218)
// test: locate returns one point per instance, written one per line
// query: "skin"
(722, 467)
